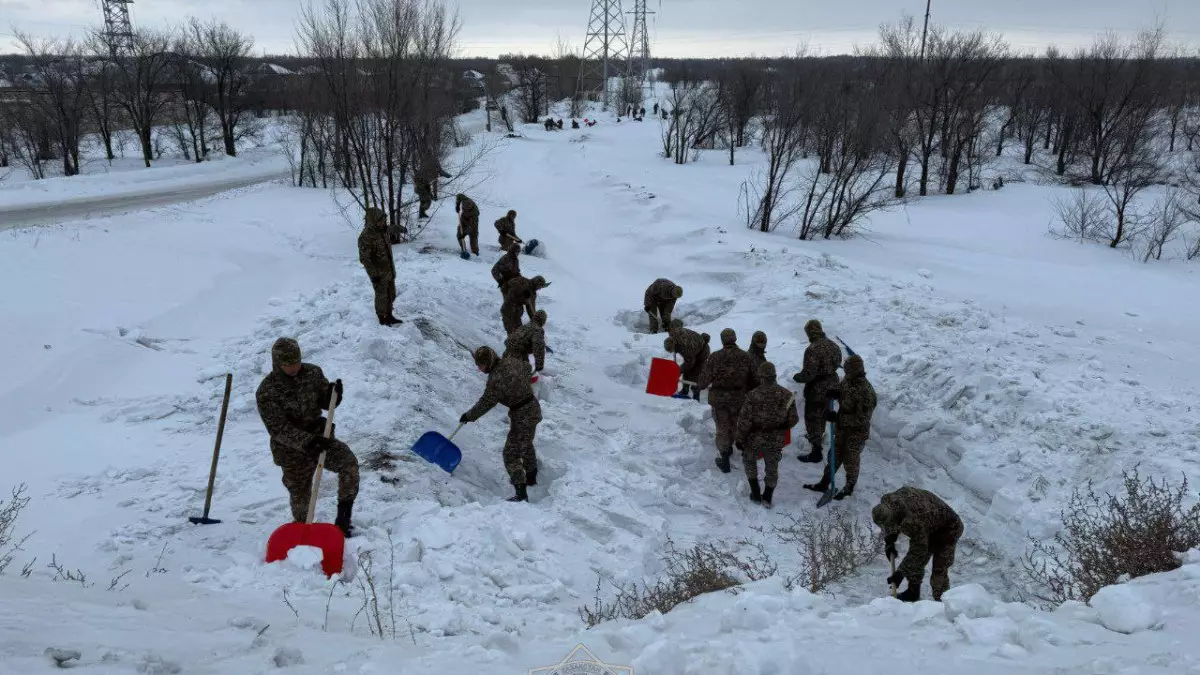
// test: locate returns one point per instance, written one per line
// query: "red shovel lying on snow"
(325, 536)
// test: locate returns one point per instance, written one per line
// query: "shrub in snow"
(1136, 533)
(287, 656)
(704, 568)
(833, 545)
(1124, 610)
(9, 511)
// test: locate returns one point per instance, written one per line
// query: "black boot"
(755, 495)
(844, 492)
(696, 394)
(687, 388)
(521, 496)
(768, 492)
(389, 321)
(813, 457)
(723, 463)
(343, 518)
(910, 594)
(531, 477)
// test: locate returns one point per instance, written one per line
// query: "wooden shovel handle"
(892, 562)
(316, 484)
(212, 473)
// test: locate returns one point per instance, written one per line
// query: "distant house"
(272, 69)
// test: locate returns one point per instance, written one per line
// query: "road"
(102, 205)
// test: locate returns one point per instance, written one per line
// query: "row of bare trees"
(186, 77)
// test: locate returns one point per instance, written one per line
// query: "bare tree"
(784, 130)
(225, 54)
(191, 81)
(531, 86)
(102, 99)
(1082, 216)
(1166, 221)
(1137, 167)
(60, 99)
(145, 76)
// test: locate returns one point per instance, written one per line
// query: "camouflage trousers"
(847, 452)
(942, 546)
(469, 228)
(726, 417)
(385, 296)
(511, 315)
(298, 467)
(814, 420)
(519, 454)
(655, 314)
(771, 456)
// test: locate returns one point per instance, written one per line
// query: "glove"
(463, 419)
(890, 552)
(831, 416)
(796, 378)
(738, 447)
(334, 386)
(320, 444)
(833, 394)
(895, 579)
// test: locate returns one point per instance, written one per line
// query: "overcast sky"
(680, 27)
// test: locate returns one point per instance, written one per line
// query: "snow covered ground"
(1011, 367)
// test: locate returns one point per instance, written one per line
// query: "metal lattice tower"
(118, 30)
(605, 51)
(640, 52)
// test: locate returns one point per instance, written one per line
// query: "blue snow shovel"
(848, 350)
(530, 247)
(437, 449)
(464, 255)
(831, 491)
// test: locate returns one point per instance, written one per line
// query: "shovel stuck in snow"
(831, 491)
(437, 449)
(325, 536)
(212, 473)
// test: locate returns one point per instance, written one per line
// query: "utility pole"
(605, 51)
(118, 31)
(925, 31)
(640, 52)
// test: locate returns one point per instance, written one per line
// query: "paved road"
(103, 205)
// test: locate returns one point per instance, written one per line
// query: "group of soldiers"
(753, 414)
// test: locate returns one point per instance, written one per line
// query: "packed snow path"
(115, 422)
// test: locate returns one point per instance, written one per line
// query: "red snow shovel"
(664, 377)
(325, 536)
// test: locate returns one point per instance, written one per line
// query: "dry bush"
(1193, 248)
(1082, 216)
(1166, 220)
(832, 545)
(9, 512)
(378, 597)
(690, 573)
(1105, 538)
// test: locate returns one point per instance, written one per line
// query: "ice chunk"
(1124, 610)
(972, 601)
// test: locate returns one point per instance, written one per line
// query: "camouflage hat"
(511, 214)
(460, 196)
(677, 292)
(760, 338)
(854, 366)
(514, 249)
(375, 216)
(285, 352)
(813, 327)
(485, 357)
(540, 317)
(669, 345)
(881, 514)
(539, 282)
(676, 324)
(766, 371)
(728, 336)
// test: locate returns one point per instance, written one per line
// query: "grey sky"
(680, 27)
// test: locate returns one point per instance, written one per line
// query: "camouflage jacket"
(661, 292)
(530, 338)
(856, 405)
(692, 346)
(469, 210)
(507, 385)
(290, 407)
(917, 514)
(757, 357)
(728, 374)
(375, 252)
(821, 361)
(767, 414)
(507, 267)
(520, 291)
(506, 228)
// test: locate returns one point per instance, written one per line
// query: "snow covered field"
(1011, 367)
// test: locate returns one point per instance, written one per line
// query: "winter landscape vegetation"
(1009, 238)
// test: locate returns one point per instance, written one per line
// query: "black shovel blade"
(828, 496)
(201, 520)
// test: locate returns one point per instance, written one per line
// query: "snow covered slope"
(992, 393)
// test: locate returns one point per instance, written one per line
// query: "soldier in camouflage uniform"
(693, 347)
(375, 254)
(508, 385)
(659, 302)
(727, 375)
(520, 296)
(468, 223)
(758, 350)
(529, 340)
(765, 417)
(425, 184)
(507, 229)
(821, 361)
(290, 400)
(933, 530)
(852, 425)
(508, 266)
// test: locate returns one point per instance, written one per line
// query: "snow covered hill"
(1011, 368)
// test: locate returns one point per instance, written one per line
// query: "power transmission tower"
(118, 31)
(640, 56)
(925, 31)
(605, 51)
